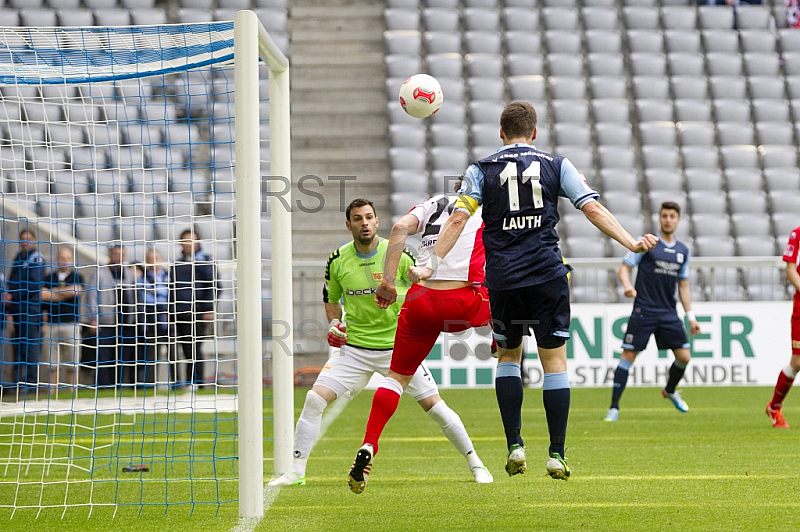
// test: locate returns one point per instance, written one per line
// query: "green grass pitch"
(719, 467)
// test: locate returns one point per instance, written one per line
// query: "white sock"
(789, 371)
(454, 429)
(307, 430)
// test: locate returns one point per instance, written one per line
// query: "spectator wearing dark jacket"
(194, 283)
(23, 303)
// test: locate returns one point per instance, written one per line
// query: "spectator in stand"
(152, 298)
(23, 303)
(793, 13)
(61, 295)
(113, 303)
(193, 277)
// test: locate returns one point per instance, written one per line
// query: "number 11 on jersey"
(531, 173)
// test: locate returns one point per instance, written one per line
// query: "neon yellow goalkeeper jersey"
(355, 278)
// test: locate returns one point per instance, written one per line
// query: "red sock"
(782, 388)
(384, 405)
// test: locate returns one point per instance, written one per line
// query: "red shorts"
(796, 327)
(426, 313)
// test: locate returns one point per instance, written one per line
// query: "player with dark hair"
(455, 301)
(364, 334)
(660, 270)
(786, 377)
(519, 187)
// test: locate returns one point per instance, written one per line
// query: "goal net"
(130, 378)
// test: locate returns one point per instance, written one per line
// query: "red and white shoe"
(776, 416)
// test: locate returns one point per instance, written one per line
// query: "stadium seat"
(446, 157)
(403, 66)
(648, 64)
(663, 179)
(409, 181)
(603, 64)
(767, 88)
(739, 156)
(689, 87)
(481, 19)
(608, 87)
(771, 111)
(710, 225)
(633, 223)
(564, 88)
(526, 88)
(586, 247)
(679, 17)
(407, 159)
(590, 285)
(485, 65)
(616, 156)
(693, 110)
(654, 110)
(657, 133)
(748, 201)
(778, 156)
(441, 42)
(758, 41)
(522, 42)
(623, 202)
(645, 41)
(563, 64)
(703, 179)
(722, 41)
(521, 19)
(696, 133)
(112, 17)
(753, 17)
(613, 134)
(737, 179)
(722, 282)
(580, 156)
(404, 42)
(619, 179)
(686, 64)
(408, 136)
(761, 64)
(732, 110)
(488, 89)
(785, 223)
(603, 41)
(571, 111)
(611, 110)
(728, 87)
(784, 201)
(640, 18)
(651, 87)
(714, 246)
(782, 179)
(600, 18)
(735, 133)
(487, 112)
(483, 42)
(756, 246)
(750, 224)
(724, 64)
(660, 156)
(561, 18)
(569, 133)
(444, 66)
(485, 134)
(524, 64)
(708, 202)
(715, 17)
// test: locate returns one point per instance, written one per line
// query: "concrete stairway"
(339, 119)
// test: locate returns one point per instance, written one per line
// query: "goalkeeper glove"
(337, 334)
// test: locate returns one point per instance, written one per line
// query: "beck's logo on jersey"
(361, 292)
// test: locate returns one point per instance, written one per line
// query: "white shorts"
(60, 342)
(351, 368)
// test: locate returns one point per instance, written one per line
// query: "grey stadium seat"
(732, 110)
(571, 111)
(570, 133)
(444, 65)
(561, 18)
(611, 110)
(737, 179)
(602, 41)
(600, 18)
(521, 19)
(483, 42)
(771, 111)
(401, 19)
(679, 17)
(486, 111)
(748, 201)
(608, 87)
(408, 136)
(640, 18)
(733, 133)
(648, 64)
(627, 202)
(487, 89)
(761, 64)
(660, 156)
(651, 87)
(408, 42)
(700, 157)
(767, 88)
(758, 40)
(455, 113)
(524, 64)
(715, 17)
(784, 201)
(565, 64)
(693, 110)
(616, 156)
(441, 42)
(724, 64)
(657, 133)
(693, 133)
(689, 87)
(408, 159)
(613, 134)
(409, 181)
(484, 65)
(586, 247)
(663, 179)
(566, 88)
(722, 41)
(753, 17)
(778, 156)
(739, 156)
(782, 179)
(441, 19)
(755, 246)
(646, 41)
(708, 202)
(683, 41)
(728, 87)
(785, 223)
(750, 224)
(522, 42)
(711, 225)
(686, 64)
(654, 110)
(580, 156)
(714, 246)
(485, 134)
(481, 19)
(619, 179)
(703, 179)
(402, 66)
(446, 157)
(526, 88)
(603, 64)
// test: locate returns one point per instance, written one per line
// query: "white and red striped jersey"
(467, 260)
(791, 254)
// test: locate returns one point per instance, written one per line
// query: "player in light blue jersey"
(519, 187)
(660, 271)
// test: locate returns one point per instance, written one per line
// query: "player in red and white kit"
(453, 300)
(787, 374)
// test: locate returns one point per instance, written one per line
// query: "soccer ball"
(421, 95)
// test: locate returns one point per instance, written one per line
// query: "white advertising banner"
(741, 344)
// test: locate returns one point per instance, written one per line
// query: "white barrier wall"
(741, 343)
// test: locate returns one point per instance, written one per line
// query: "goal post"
(252, 41)
(125, 138)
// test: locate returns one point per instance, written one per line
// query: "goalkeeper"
(366, 341)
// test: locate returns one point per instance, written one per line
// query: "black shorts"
(543, 308)
(667, 328)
